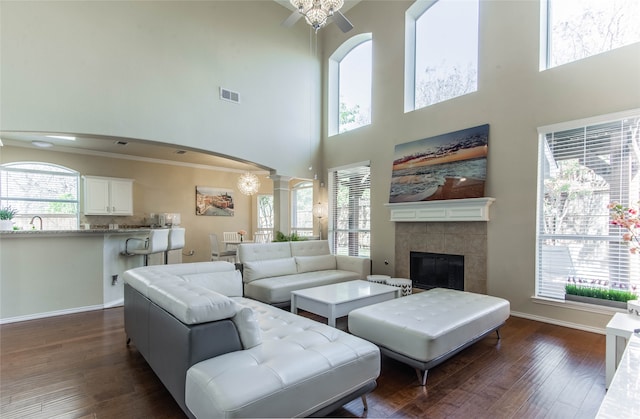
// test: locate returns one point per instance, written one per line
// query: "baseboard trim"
(36, 316)
(559, 322)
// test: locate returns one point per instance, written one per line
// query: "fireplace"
(436, 270)
(467, 239)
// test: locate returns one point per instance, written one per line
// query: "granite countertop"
(49, 233)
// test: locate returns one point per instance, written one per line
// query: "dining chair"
(176, 241)
(219, 254)
(262, 237)
(231, 236)
(156, 242)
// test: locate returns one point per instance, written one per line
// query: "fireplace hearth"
(437, 270)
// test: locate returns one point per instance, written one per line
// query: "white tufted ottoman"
(424, 329)
(404, 284)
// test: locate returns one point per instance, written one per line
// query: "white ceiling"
(104, 145)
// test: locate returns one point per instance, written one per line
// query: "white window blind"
(40, 189)
(583, 167)
(350, 210)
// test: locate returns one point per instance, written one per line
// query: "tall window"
(44, 190)
(350, 69)
(302, 207)
(350, 210)
(580, 29)
(583, 166)
(441, 51)
(265, 214)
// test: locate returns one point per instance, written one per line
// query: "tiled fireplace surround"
(466, 238)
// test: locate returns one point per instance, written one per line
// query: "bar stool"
(157, 242)
(176, 241)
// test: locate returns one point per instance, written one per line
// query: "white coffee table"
(337, 300)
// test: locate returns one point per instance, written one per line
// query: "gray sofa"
(221, 355)
(272, 270)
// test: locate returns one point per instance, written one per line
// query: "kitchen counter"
(53, 233)
(51, 272)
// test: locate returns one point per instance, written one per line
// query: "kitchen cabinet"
(108, 196)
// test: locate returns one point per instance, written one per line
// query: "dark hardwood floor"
(78, 366)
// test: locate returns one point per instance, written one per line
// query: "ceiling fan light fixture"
(302, 5)
(248, 183)
(316, 18)
(331, 5)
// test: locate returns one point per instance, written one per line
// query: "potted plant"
(596, 295)
(6, 217)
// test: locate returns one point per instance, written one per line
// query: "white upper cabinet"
(108, 196)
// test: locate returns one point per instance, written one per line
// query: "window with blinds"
(583, 166)
(40, 189)
(350, 210)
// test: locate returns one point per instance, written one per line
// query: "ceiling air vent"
(229, 96)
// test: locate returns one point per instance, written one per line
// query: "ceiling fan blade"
(291, 20)
(342, 22)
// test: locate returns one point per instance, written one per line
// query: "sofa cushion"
(143, 277)
(315, 263)
(267, 268)
(278, 289)
(250, 252)
(300, 367)
(248, 327)
(190, 303)
(227, 283)
(310, 248)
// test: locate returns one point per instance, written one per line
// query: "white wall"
(151, 70)
(514, 97)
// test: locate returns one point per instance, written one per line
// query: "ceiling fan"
(317, 13)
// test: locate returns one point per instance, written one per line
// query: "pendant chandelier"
(316, 12)
(248, 183)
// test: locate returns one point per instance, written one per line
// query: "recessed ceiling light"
(120, 142)
(181, 152)
(41, 144)
(62, 137)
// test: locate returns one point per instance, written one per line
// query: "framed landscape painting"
(448, 166)
(214, 201)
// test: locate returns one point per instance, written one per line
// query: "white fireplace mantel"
(470, 209)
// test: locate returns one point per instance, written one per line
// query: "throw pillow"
(268, 268)
(248, 327)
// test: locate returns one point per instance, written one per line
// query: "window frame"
(333, 83)
(557, 259)
(412, 15)
(63, 171)
(306, 186)
(357, 234)
(546, 39)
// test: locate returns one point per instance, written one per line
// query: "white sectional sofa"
(221, 355)
(272, 270)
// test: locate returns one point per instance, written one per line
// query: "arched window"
(441, 51)
(40, 190)
(350, 69)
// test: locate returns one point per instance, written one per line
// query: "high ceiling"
(91, 144)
